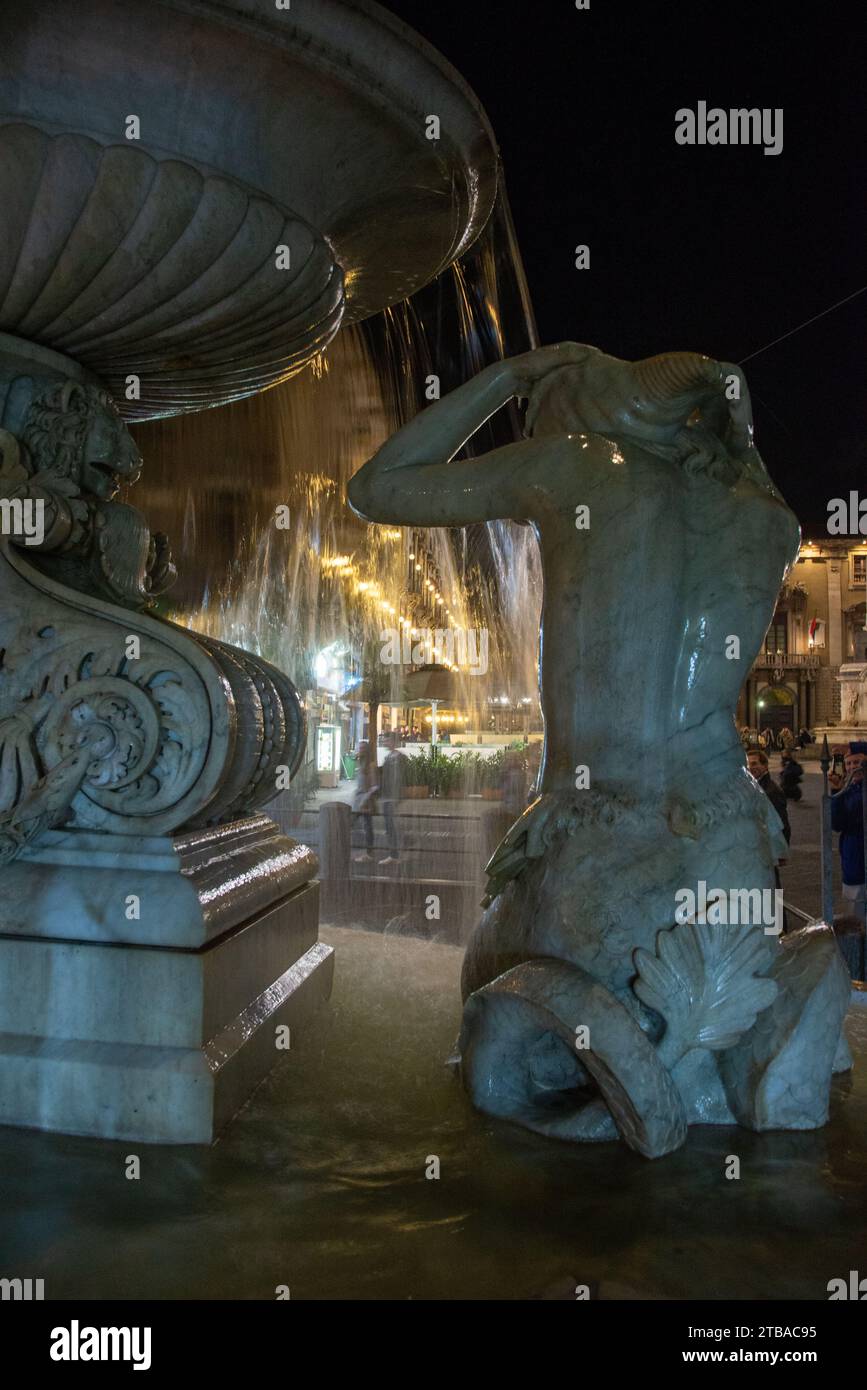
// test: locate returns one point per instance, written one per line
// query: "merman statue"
(596, 1003)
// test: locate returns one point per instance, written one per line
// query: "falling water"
(269, 555)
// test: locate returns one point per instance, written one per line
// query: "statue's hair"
(700, 447)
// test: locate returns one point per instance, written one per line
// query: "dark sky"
(718, 248)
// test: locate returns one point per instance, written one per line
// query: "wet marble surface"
(320, 1182)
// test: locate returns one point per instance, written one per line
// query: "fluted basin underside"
(193, 198)
(151, 272)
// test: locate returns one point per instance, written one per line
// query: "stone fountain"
(193, 199)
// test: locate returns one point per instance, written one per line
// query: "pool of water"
(320, 1183)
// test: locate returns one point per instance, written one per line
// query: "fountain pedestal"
(154, 931)
(176, 234)
(147, 988)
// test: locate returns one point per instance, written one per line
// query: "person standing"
(847, 818)
(757, 763)
(366, 787)
(514, 783)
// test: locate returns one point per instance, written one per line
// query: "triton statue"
(591, 1009)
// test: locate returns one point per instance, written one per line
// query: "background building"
(818, 627)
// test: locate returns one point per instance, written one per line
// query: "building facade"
(818, 626)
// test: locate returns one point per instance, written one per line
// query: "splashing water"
(269, 555)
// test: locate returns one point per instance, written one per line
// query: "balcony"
(787, 660)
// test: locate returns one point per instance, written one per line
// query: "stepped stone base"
(158, 1028)
(837, 733)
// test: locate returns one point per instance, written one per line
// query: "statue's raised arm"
(672, 405)
(412, 481)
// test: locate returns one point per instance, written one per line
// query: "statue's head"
(681, 405)
(74, 431)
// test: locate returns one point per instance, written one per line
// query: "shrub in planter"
(417, 779)
(452, 775)
(491, 775)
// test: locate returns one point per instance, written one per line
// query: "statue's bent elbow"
(358, 495)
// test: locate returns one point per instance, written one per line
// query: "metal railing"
(808, 659)
(798, 912)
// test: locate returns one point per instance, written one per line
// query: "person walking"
(790, 776)
(392, 780)
(366, 787)
(847, 819)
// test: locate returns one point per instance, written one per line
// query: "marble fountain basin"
(155, 155)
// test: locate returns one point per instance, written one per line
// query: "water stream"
(314, 579)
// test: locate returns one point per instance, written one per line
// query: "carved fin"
(703, 980)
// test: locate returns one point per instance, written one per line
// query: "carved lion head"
(74, 431)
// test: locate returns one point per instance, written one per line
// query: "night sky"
(720, 249)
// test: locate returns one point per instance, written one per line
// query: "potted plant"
(417, 781)
(453, 776)
(472, 773)
(491, 776)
